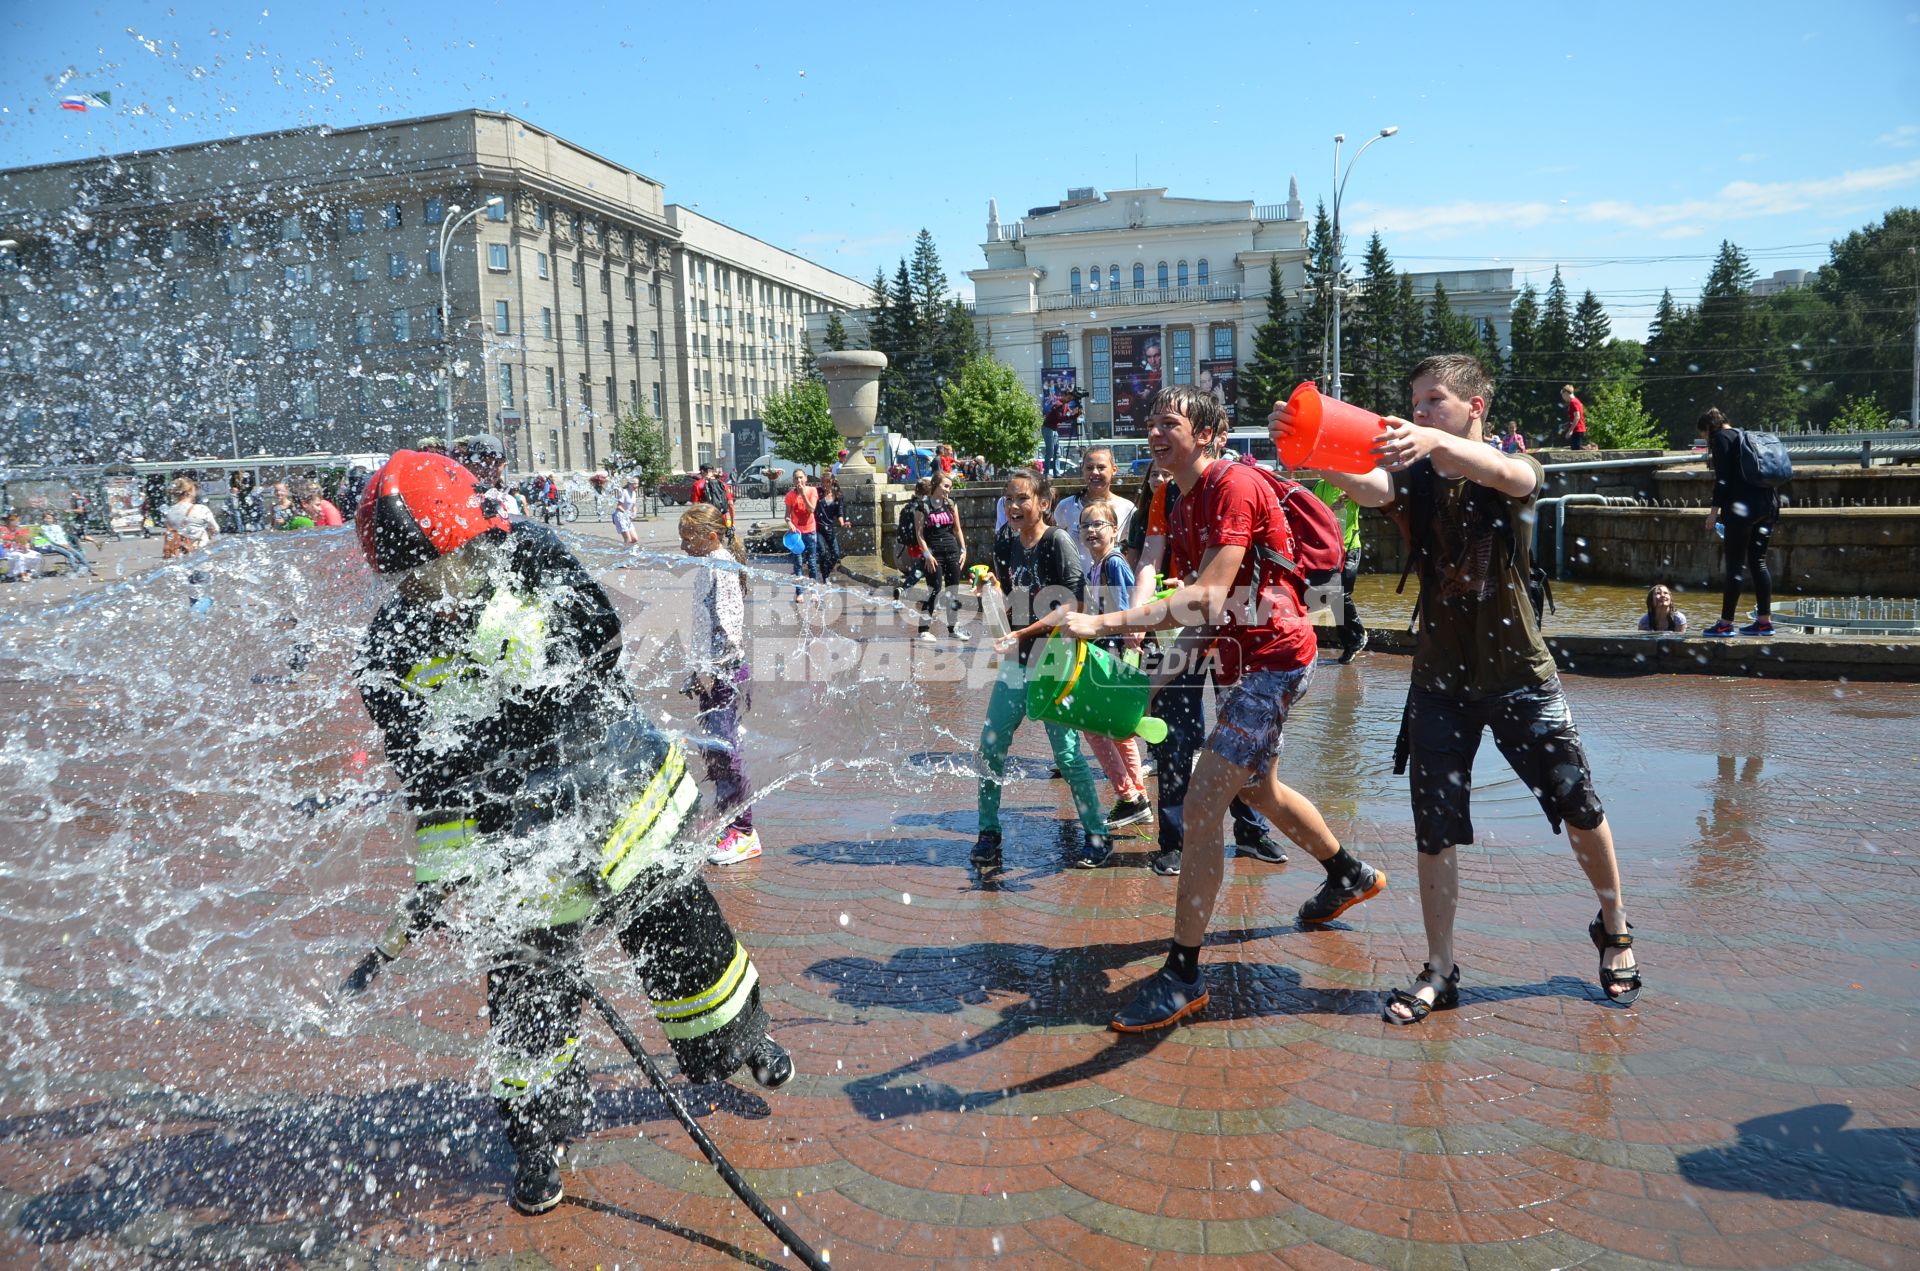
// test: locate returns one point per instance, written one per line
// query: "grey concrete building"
(281, 293)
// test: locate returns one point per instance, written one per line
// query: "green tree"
(902, 347)
(1736, 349)
(641, 443)
(1861, 414)
(800, 425)
(1670, 384)
(1316, 317)
(1588, 336)
(1446, 331)
(836, 334)
(1871, 285)
(1373, 344)
(990, 412)
(1555, 341)
(1524, 373)
(1273, 370)
(1413, 332)
(1616, 419)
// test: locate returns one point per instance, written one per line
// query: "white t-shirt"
(1066, 514)
(193, 522)
(719, 613)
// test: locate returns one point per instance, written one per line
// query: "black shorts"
(1534, 730)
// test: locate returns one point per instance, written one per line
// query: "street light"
(226, 390)
(1339, 256)
(447, 225)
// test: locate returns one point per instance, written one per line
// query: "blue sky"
(1623, 140)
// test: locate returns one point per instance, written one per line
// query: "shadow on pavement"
(1809, 1154)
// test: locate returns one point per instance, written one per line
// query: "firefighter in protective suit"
(541, 793)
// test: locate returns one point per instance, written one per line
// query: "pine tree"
(1555, 342)
(1668, 383)
(836, 333)
(1446, 331)
(1375, 334)
(928, 278)
(1524, 377)
(1316, 318)
(1413, 332)
(1275, 366)
(1733, 341)
(894, 332)
(1589, 334)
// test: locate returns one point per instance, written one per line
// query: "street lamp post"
(448, 224)
(1339, 255)
(226, 390)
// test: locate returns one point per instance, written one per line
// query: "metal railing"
(1854, 615)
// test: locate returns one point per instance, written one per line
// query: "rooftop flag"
(84, 102)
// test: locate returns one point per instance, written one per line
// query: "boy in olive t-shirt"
(1479, 663)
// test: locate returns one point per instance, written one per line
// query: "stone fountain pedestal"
(853, 396)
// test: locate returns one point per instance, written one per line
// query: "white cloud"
(1900, 138)
(1737, 200)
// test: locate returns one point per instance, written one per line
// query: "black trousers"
(1746, 549)
(1180, 704)
(1352, 630)
(948, 577)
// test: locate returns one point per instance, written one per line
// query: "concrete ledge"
(1787, 657)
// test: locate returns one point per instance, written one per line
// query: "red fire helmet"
(419, 507)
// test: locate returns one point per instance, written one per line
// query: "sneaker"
(1161, 1001)
(770, 1064)
(928, 636)
(1096, 851)
(1266, 848)
(1720, 628)
(1348, 655)
(735, 846)
(1334, 899)
(536, 1184)
(1128, 812)
(1165, 863)
(1759, 627)
(986, 852)
(959, 633)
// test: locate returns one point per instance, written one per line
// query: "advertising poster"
(1136, 378)
(1057, 382)
(1216, 377)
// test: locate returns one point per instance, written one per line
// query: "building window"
(436, 324)
(580, 329)
(402, 326)
(546, 324)
(301, 335)
(586, 394)
(497, 257)
(502, 318)
(553, 398)
(1180, 274)
(290, 231)
(403, 392)
(653, 343)
(433, 210)
(433, 260)
(543, 263)
(633, 339)
(1203, 271)
(396, 264)
(606, 336)
(540, 215)
(179, 289)
(1222, 342)
(613, 402)
(627, 284)
(1102, 369)
(658, 409)
(497, 211)
(1139, 276)
(579, 274)
(356, 220)
(1073, 281)
(1162, 276)
(506, 385)
(1182, 355)
(391, 218)
(653, 294)
(633, 391)
(357, 269)
(1057, 351)
(442, 394)
(297, 275)
(366, 395)
(306, 399)
(606, 280)
(239, 284)
(244, 342)
(701, 268)
(363, 329)
(1093, 278)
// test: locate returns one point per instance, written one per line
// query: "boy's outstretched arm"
(1367, 489)
(1404, 444)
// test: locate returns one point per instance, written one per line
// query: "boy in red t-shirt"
(1265, 650)
(1576, 418)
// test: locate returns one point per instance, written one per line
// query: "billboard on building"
(1217, 377)
(1057, 382)
(1136, 378)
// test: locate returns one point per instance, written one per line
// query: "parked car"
(676, 489)
(755, 481)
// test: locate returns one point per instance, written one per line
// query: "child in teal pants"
(1038, 568)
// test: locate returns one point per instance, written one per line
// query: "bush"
(1616, 420)
(1861, 414)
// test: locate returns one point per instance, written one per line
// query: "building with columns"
(1122, 288)
(281, 293)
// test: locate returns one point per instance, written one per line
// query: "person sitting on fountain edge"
(543, 795)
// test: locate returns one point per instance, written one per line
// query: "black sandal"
(1418, 1008)
(1629, 979)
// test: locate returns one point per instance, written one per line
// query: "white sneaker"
(928, 636)
(960, 633)
(734, 848)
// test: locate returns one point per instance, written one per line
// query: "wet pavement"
(961, 1101)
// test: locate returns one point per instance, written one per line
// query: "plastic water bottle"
(1719, 529)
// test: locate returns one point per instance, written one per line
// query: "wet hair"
(185, 489)
(1042, 490)
(704, 518)
(923, 487)
(1461, 374)
(1670, 607)
(1712, 420)
(1202, 410)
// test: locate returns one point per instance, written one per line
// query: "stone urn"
(853, 395)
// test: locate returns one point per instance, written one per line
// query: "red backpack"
(1309, 545)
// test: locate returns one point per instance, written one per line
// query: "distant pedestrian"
(943, 544)
(282, 510)
(800, 501)
(720, 675)
(1353, 632)
(1576, 437)
(831, 515)
(624, 506)
(1746, 513)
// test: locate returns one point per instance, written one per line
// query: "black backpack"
(1764, 461)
